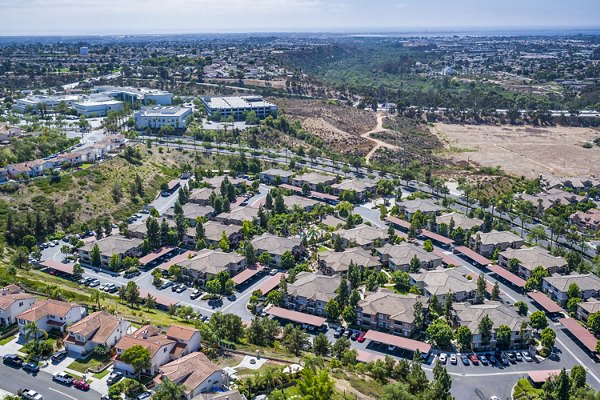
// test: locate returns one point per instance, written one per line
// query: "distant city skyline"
(71, 17)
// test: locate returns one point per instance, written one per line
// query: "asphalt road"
(12, 380)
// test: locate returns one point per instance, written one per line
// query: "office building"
(238, 106)
(155, 117)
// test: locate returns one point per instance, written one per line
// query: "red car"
(361, 337)
(474, 359)
(81, 384)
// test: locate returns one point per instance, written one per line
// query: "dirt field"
(339, 126)
(521, 150)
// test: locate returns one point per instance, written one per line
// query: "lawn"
(7, 340)
(524, 391)
(82, 365)
(323, 249)
(102, 374)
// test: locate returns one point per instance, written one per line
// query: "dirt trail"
(378, 143)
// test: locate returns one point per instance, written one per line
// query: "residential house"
(362, 188)
(140, 230)
(399, 256)
(97, 329)
(531, 257)
(115, 244)
(314, 180)
(332, 262)
(486, 243)
(552, 198)
(275, 246)
(164, 347)
(441, 282)
(388, 312)
(297, 201)
(216, 181)
(362, 235)
(270, 175)
(459, 221)
(426, 206)
(228, 395)
(470, 315)
(213, 232)
(586, 308)
(586, 220)
(208, 263)
(51, 314)
(195, 372)
(12, 303)
(238, 215)
(191, 212)
(201, 196)
(311, 292)
(557, 287)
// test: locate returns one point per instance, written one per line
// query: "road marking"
(64, 394)
(578, 360)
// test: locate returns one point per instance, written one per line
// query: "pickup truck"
(29, 394)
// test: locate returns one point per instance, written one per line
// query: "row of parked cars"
(350, 334)
(95, 283)
(503, 358)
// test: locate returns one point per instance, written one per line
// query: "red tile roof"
(582, 334)
(436, 237)
(506, 274)
(546, 302)
(246, 274)
(271, 283)
(398, 341)
(148, 258)
(398, 221)
(473, 255)
(296, 316)
(543, 375)
(58, 266)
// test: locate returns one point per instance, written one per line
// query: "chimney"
(4, 291)
(145, 334)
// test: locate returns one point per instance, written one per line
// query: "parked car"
(81, 384)
(453, 359)
(195, 294)
(512, 358)
(131, 274)
(13, 360)
(464, 359)
(144, 396)
(483, 359)
(504, 360)
(348, 333)
(166, 285)
(232, 297)
(31, 367)
(518, 356)
(392, 348)
(94, 283)
(361, 337)
(114, 377)
(355, 335)
(58, 356)
(527, 357)
(63, 378)
(443, 357)
(338, 332)
(273, 271)
(174, 287)
(29, 394)
(473, 358)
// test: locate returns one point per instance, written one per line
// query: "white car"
(29, 394)
(443, 358)
(527, 356)
(63, 378)
(391, 348)
(453, 359)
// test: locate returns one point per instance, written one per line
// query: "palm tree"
(168, 390)
(95, 297)
(31, 331)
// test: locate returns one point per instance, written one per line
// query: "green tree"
(287, 260)
(340, 346)
(593, 322)
(224, 242)
(495, 291)
(132, 293)
(414, 265)
(440, 333)
(348, 314)
(503, 334)
(428, 246)
(149, 302)
(402, 281)
(138, 357)
(464, 337)
(315, 385)
(442, 383)
(294, 339)
(481, 289)
(547, 338)
(114, 263)
(156, 277)
(213, 287)
(321, 345)
(485, 329)
(95, 259)
(168, 390)
(538, 320)
(522, 308)
(332, 309)
(578, 377)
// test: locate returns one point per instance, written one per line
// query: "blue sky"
(42, 17)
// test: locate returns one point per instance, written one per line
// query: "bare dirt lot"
(340, 126)
(523, 150)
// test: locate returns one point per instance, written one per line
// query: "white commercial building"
(97, 107)
(34, 102)
(155, 117)
(131, 94)
(238, 106)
